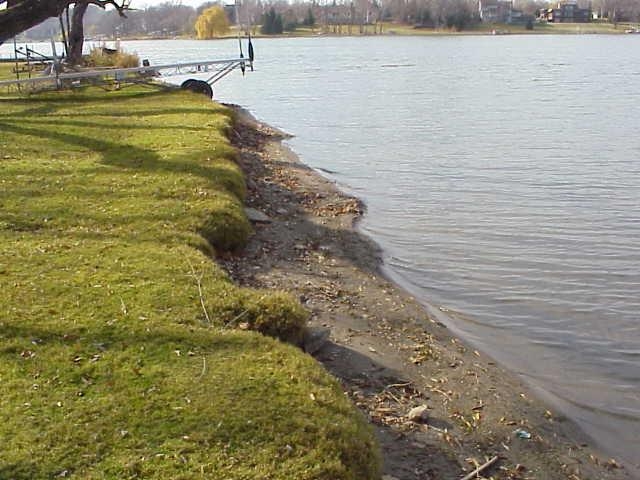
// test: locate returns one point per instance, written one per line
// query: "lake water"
(502, 179)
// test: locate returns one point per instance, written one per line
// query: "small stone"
(520, 433)
(314, 339)
(418, 414)
(256, 215)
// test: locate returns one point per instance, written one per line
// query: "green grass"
(8, 72)
(578, 28)
(111, 206)
(5, 70)
(402, 29)
(487, 28)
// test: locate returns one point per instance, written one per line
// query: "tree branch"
(120, 7)
(26, 14)
(21, 15)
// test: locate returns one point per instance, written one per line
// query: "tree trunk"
(76, 33)
(21, 16)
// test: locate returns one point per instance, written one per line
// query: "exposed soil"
(389, 355)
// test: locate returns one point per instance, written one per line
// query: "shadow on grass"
(58, 346)
(106, 337)
(20, 471)
(108, 126)
(131, 157)
(54, 103)
(83, 97)
(142, 113)
(51, 108)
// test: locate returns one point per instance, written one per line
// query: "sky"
(151, 3)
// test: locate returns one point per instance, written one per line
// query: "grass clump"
(115, 359)
(100, 57)
(228, 229)
(273, 314)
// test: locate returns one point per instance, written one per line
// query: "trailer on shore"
(54, 75)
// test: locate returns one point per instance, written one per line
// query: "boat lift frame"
(61, 80)
(221, 67)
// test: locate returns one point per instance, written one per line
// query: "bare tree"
(618, 10)
(76, 33)
(20, 15)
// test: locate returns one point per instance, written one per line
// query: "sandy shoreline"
(388, 353)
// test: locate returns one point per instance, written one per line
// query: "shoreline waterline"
(472, 331)
(607, 441)
(380, 332)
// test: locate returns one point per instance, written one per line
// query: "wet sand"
(387, 352)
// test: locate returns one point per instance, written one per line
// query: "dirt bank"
(387, 352)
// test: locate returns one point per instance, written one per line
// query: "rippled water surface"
(502, 178)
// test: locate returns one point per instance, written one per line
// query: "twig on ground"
(198, 280)
(439, 430)
(236, 318)
(204, 367)
(437, 390)
(480, 468)
(393, 396)
(398, 385)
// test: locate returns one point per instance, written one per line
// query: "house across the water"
(567, 12)
(495, 11)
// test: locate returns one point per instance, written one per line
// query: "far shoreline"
(402, 30)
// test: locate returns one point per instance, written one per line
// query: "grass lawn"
(6, 71)
(117, 354)
(578, 28)
(488, 28)
(403, 29)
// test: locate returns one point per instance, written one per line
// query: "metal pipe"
(221, 73)
(221, 76)
(15, 52)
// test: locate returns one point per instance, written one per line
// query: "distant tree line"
(276, 16)
(167, 19)
(617, 10)
(272, 23)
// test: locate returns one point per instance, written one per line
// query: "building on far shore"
(500, 11)
(567, 12)
(495, 11)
